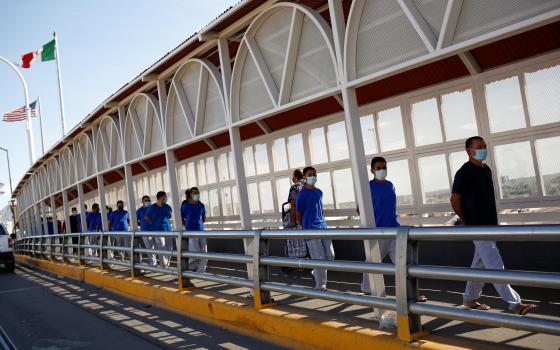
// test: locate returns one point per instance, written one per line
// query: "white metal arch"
(84, 156)
(196, 103)
(143, 132)
(108, 145)
(67, 167)
(286, 54)
(53, 170)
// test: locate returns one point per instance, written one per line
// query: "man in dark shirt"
(473, 200)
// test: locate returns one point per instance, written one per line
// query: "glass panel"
(214, 202)
(344, 189)
(295, 151)
(191, 175)
(456, 161)
(504, 104)
(458, 115)
(516, 174)
(235, 200)
(249, 161)
(434, 179)
(210, 170)
(368, 134)
(282, 191)
(204, 199)
(230, 163)
(223, 168)
(254, 198)
(425, 120)
(201, 173)
(227, 202)
(261, 158)
(324, 183)
(318, 146)
(549, 165)
(391, 134)
(399, 174)
(338, 145)
(279, 154)
(543, 95)
(266, 196)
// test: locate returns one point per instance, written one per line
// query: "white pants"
(197, 245)
(487, 256)
(157, 243)
(149, 244)
(386, 247)
(320, 249)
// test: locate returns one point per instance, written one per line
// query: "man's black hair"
(307, 168)
(376, 160)
(74, 208)
(94, 206)
(470, 140)
(120, 201)
(161, 194)
(145, 196)
(298, 174)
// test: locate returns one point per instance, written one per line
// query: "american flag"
(19, 114)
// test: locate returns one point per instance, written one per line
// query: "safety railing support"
(409, 326)
(262, 298)
(81, 250)
(134, 257)
(103, 241)
(64, 248)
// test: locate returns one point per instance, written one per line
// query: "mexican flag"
(46, 53)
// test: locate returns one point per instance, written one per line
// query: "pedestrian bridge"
(249, 293)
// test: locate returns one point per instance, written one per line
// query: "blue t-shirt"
(384, 200)
(93, 221)
(140, 215)
(159, 217)
(193, 214)
(309, 203)
(119, 220)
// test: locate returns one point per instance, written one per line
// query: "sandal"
(477, 306)
(524, 309)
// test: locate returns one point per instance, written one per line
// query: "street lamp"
(11, 190)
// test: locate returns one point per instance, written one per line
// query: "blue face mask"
(481, 154)
(312, 180)
(196, 197)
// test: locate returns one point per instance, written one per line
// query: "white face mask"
(381, 174)
(147, 203)
(196, 197)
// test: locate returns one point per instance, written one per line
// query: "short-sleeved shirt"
(476, 188)
(75, 223)
(309, 203)
(384, 200)
(94, 221)
(159, 217)
(193, 213)
(140, 215)
(294, 190)
(119, 220)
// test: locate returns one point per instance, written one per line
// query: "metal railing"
(407, 271)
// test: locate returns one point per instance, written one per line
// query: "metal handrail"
(407, 271)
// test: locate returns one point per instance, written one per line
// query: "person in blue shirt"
(145, 225)
(159, 216)
(93, 220)
(119, 220)
(309, 215)
(194, 216)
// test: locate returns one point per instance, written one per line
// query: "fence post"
(51, 247)
(64, 249)
(409, 326)
(183, 283)
(102, 242)
(261, 298)
(134, 257)
(81, 250)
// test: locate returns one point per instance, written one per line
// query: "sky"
(103, 45)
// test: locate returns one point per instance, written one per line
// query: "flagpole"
(40, 112)
(27, 111)
(61, 99)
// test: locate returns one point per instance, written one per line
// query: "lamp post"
(12, 209)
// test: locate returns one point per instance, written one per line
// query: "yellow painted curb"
(272, 324)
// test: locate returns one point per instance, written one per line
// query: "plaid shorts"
(296, 248)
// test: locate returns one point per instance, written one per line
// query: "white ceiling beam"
(149, 77)
(211, 144)
(264, 126)
(449, 25)
(207, 36)
(263, 70)
(419, 24)
(470, 62)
